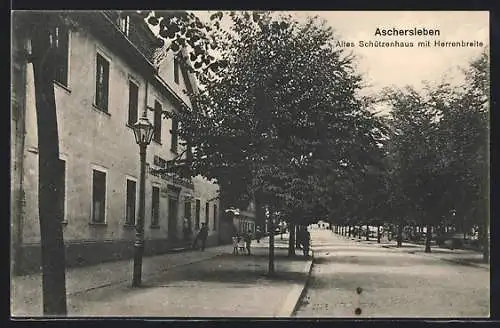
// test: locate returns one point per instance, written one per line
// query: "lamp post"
(143, 131)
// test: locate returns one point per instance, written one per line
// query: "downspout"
(145, 112)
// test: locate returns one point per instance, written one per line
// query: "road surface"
(391, 282)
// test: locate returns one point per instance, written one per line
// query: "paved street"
(190, 284)
(403, 282)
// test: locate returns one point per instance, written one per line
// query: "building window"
(98, 196)
(61, 40)
(125, 24)
(155, 207)
(133, 102)
(130, 206)
(175, 126)
(157, 122)
(207, 214)
(198, 210)
(215, 216)
(176, 70)
(102, 83)
(61, 190)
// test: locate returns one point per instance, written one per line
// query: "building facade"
(243, 221)
(105, 81)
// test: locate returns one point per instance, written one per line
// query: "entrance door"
(187, 217)
(172, 218)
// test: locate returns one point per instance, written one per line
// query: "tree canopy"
(283, 115)
(439, 150)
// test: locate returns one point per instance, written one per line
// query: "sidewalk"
(26, 291)
(458, 256)
(191, 283)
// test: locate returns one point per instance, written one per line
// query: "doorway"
(172, 218)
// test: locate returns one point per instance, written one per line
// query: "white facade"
(95, 140)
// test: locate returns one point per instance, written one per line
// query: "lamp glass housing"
(143, 131)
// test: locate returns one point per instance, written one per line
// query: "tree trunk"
(428, 238)
(19, 75)
(297, 235)
(259, 211)
(400, 235)
(367, 232)
(378, 234)
(51, 233)
(271, 247)
(349, 231)
(291, 239)
(359, 232)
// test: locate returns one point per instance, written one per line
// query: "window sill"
(157, 142)
(154, 227)
(98, 223)
(100, 110)
(129, 226)
(62, 86)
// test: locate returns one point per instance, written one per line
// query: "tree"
(40, 29)
(465, 123)
(438, 151)
(281, 116)
(414, 162)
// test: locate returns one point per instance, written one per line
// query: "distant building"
(106, 79)
(243, 220)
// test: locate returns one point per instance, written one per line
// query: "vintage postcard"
(257, 164)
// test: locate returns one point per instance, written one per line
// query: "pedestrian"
(241, 243)
(299, 237)
(235, 243)
(194, 245)
(186, 230)
(248, 241)
(201, 236)
(306, 240)
(258, 234)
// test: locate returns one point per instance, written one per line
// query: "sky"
(384, 67)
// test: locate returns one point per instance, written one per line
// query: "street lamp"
(143, 131)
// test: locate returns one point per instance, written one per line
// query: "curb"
(304, 289)
(293, 298)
